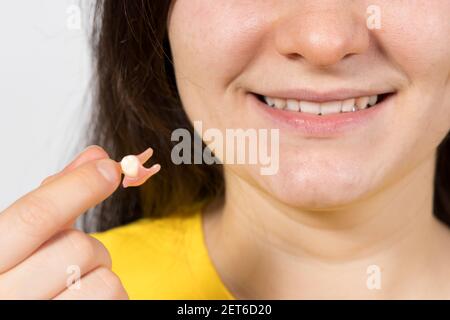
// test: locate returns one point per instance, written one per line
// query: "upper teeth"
(330, 107)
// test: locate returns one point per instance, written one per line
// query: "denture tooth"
(292, 105)
(347, 105)
(135, 173)
(330, 107)
(373, 100)
(130, 166)
(310, 107)
(280, 103)
(362, 102)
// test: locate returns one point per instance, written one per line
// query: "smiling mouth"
(324, 108)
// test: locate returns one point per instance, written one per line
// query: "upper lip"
(321, 96)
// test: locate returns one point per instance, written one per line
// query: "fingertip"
(110, 170)
(91, 153)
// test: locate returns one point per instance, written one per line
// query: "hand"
(40, 250)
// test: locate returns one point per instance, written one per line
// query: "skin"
(37, 235)
(365, 198)
(337, 205)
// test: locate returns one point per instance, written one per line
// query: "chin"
(318, 187)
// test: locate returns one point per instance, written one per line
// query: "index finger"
(91, 153)
(37, 216)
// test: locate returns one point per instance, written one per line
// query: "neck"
(290, 252)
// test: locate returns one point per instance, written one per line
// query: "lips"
(321, 115)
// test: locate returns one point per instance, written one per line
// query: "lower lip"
(316, 126)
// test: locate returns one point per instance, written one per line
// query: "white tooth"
(362, 102)
(310, 107)
(373, 100)
(280, 103)
(293, 105)
(130, 166)
(269, 101)
(347, 105)
(330, 107)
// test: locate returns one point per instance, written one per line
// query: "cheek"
(213, 41)
(416, 36)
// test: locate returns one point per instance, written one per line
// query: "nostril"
(349, 55)
(294, 56)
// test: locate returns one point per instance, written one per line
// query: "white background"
(44, 76)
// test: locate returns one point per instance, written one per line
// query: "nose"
(322, 36)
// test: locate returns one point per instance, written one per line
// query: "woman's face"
(321, 52)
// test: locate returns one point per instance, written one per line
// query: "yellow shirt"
(164, 258)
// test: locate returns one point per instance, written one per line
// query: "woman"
(359, 92)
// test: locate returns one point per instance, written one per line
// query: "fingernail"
(108, 170)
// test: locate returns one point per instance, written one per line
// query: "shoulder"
(163, 258)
